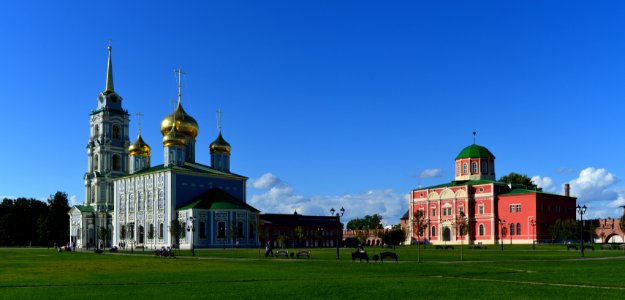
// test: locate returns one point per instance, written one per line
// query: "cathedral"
(180, 202)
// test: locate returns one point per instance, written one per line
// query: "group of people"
(269, 249)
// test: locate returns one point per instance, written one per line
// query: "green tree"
(516, 178)
(102, 235)
(175, 229)
(621, 224)
(394, 236)
(366, 223)
(564, 230)
(57, 222)
(299, 233)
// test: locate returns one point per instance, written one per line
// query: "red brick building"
(493, 211)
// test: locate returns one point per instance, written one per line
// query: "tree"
(463, 228)
(394, 236)
(102, 235)
(418, 220)
(57, 222)
(366, 223)
(564, 229)
(175, 228)
(516, 178)
(621, 224)
(298, 234)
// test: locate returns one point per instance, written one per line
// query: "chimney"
(567, 190)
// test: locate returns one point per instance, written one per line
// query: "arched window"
(221, 230)
(433, 231)
(116, 131)
(481, 230)
(116, 162)
(96, 131)
(465, 168)
(518, 229)
(474, 168)
(202, 230)
(484, 167)
(160, 230)
(240, 229)
(96, 163)
(511, 229)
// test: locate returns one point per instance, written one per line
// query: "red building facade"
(491, 212)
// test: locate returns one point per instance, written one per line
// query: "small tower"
(107, 149)
(475, 162)
(220, 150)
(139, 152)
(184, 124)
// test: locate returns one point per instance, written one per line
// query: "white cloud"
(431, 173)
(546, 183)
(73, 200)
(267, 180)
(593, 184)
(279, 197)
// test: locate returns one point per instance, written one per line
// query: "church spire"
(109, 74)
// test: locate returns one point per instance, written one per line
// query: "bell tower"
(107, 149)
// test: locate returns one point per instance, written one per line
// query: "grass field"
(549, 272)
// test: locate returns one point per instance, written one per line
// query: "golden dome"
(139, 147)
(219, 145)
(173, 137)
(185, 124)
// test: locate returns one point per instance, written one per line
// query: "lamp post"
(533, 223)
(581, 210)
(191, 230)
(339, 214)
(502, 225)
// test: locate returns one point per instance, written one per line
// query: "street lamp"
(502, 224)
(339, 214)
(191, 230)
(533, 223)
(581, 210)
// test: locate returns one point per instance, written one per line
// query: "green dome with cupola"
(475, 151)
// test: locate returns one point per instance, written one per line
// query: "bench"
(606, 247)
(284, 253)
(448, 247)
(477, 246)
(571, 247)
(360, 256)
(388, 255)
(303, 253)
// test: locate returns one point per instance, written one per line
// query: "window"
(240, 229)
(518, 229)
(484, 167)
(511, 208)
(481, 230)
(465, 168)
(251, 232)
(458, 169)
(518, 208)
(461, 210)
(481, 209)
(512, 229)
(116, 162)
(449, 211)
(433, 231)
(151, 231)
(203, 230)
(160, 230)
(433, 212)
(96, 163)
(221, 228)
(116, 131)
(473, 168)
(96, 131)
(184, 230)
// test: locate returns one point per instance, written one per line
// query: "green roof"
(84, 208)
(475, 151)
(217, 199)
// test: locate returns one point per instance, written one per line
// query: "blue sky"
(326, 103)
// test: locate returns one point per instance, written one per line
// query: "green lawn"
(549, 272)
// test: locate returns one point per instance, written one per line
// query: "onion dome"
(139, 147)
(174, 137)
(185, 124)
(475, 151)
(219, 145)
